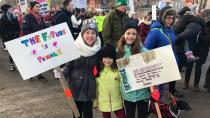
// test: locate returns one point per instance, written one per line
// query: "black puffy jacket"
(79, 74)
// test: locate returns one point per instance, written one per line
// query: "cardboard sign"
(147, 69)
(43, 50)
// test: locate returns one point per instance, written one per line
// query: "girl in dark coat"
(79, 72)
(11, 28)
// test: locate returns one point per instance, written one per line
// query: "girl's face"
(107, 61)
(89, 37)
(130, 36)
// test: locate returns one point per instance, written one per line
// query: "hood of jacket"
(199, 20)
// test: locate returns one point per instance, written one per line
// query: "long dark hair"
(135, 47)
(100, 66)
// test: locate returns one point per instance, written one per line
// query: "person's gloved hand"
(57, 74)
(156, 95)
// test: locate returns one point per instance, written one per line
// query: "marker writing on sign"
(44, 37)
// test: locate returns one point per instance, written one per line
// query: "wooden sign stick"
(68, 93)
(156, 105)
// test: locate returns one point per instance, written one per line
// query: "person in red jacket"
(144, 26)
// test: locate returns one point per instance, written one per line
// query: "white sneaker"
(5, 49)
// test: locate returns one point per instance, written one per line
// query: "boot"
(186, 83)
(196, 88)
(186, 86)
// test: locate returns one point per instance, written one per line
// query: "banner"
(44, 6)
(23, 6)
(41, 51)
(149, 68)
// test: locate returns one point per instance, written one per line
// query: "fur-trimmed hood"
(166, 11)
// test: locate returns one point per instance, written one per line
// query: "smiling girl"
(79, 72)
(129, 44)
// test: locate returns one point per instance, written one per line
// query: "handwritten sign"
(147, 69)
(43, 50)
(44, 6)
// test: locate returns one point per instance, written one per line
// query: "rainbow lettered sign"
(43, 50)
(147, 69)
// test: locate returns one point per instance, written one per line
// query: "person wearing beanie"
(130, 44)
(113, 23)
(10, 29)
(79, 72)
(108, 85)
(33, 22)
(161, 34)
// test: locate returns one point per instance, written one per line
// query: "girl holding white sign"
(129, 44)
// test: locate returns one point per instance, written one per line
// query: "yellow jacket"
(108, 91)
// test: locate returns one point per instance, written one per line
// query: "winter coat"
(112, 27)
(156, 38)
(197, 24)
(79, 72)
(30, 24)
(10, 28)
(64, 16)
(108, 91)
(143, 30)
(202, 48)
(137, 95)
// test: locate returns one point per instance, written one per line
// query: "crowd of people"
(94, 78)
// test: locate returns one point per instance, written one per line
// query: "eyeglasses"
(170, 17)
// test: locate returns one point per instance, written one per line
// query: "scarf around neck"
(86, 50)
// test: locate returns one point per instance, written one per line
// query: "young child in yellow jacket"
(108, 85)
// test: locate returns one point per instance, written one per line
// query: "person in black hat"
(33, 22)
(10, 29)
(108, 85)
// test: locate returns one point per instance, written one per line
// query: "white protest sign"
(43, 50)
(154, 13)
(147, 69)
